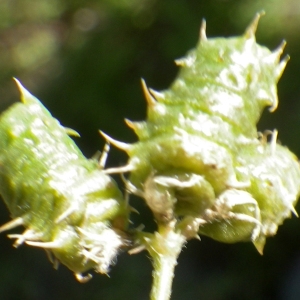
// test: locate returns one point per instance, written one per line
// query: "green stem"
(164, 247)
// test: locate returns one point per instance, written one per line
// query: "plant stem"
(164, 248)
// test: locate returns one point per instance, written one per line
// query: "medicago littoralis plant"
(199, 164)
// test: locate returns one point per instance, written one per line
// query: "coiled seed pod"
(199, 155)
(67, 204)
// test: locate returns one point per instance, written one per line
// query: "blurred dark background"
(84, 60)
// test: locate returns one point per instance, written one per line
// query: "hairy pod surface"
(67, 204)
(199, 153)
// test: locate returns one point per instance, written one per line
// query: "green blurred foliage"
(84, 59)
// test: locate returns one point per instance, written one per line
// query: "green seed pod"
(199, 155)
(67, 204)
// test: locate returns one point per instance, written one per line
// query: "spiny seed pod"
(67, 204)
(200, 157)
